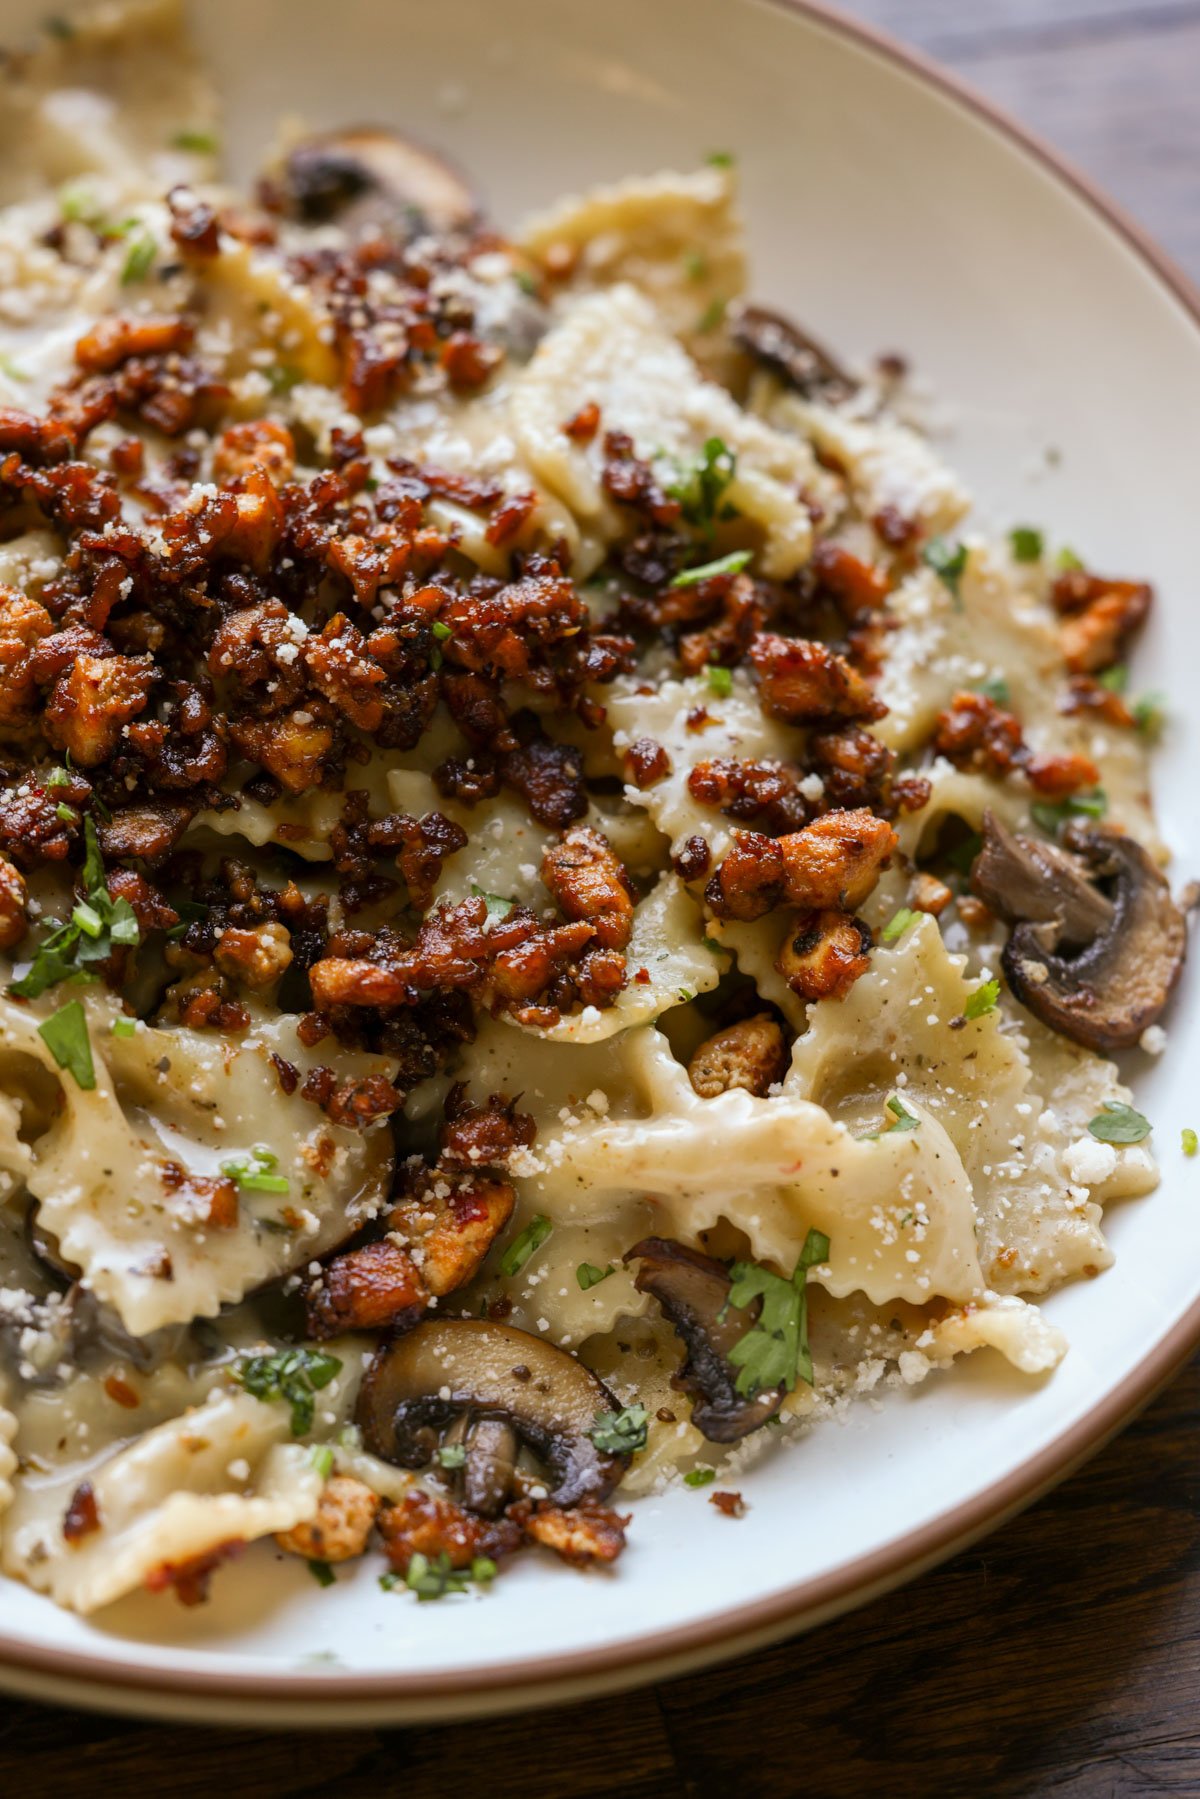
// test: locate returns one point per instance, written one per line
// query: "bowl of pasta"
(594, 842)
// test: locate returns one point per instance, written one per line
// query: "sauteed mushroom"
(786, 351)
(693, 1291)
(370, 177)
(497, 1376)
(1097, 943)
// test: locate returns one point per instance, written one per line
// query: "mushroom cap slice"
(1097, 943)
(693, 1291)
(368, 177)
(798, 361)
(418, 1383)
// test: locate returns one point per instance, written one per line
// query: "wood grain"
(1063, 1656)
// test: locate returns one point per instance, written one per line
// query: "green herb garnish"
(720, 159)
(434, 1579)
(293, 1375)
(733, 564)
(588, 1275)
(323, 1574)
(1149, 713)
(984, 1000)
(695, 265)
(1048, 815)
(700, 488)
(1190, 1141)
(65, 1034)
(699, 1477)
(451, 1455)
(712, 315)
(1026, 543)
(902, 1119)
(947, 560)
(1067, 559)
(522, 1247)
(321, 1458)
(1119, 1123)
(1116, 678)
(254, 1171)
(441, 629)
(897, 924)
(623, 1432)
(720, 681)
(496, 904)
(996, 689)
(202, 143)
(774, 1352)
(97, 927)
(123, 1026)
(139, 258)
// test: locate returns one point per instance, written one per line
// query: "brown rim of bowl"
(638, 1660)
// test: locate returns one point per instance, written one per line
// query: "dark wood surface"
(1063, 1655)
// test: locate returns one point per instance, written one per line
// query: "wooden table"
(1063, 1656)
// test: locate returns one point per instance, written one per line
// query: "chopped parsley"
(699, 1477)
(695, 265)
(451, 1455)
(1048, 815)
(902, 1119)
(996, 689)
(294, 1376)
(623, 1432)
(720, 159)
(774, 1352)
(947, 560)
(1116, 678)
(97, 926)
(65, 1034)
(254, 1171)
(712, 315)
(323, 1574)
(588, 1275)
(522, 1247)
(984, 1000)
(720, 681)
(1026, 543)
(139, 258)
(733, 564)
(123, 1026)
(700, 487)
(441, 629)
(321, 1458)
(897, 924)
(201, 143)
(1119, 1123)
(1067, 559)
(1190, 1141)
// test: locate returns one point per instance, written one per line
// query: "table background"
(1061, 1657)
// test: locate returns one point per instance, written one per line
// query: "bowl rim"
(320, 1699)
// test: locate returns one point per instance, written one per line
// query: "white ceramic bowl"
(888, 210)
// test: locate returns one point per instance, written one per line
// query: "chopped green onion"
(588, 1275)
(699, 1477)
(139, 259)
(1116, 678)
(1026, 543)
(695, 265)
(733, 564)
(65, 814)
(947, 560)
(321, 1458)
(1049, 815)
(441, 629)
(902, 1118)
(124, 1027)
(897, 924)
(323, 1574)
(254, 1172)
(996, 689)
(522, 1247)
(1191, 1143)
(294, 1376)
(712, 315)
(1067, 559)
(720, 159)
(202, 143)
(1149, 713)
(720, 681)
(452, 1455)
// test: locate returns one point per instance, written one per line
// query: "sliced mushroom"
(1097, 942)
(367, 178)
(786, 351)
(693, 1291)
(418, 1384)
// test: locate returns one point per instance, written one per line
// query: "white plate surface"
(886, 212)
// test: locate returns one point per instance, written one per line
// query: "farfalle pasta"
(558, 905)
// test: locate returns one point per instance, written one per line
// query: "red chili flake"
(121, 1393)
(731, 1504)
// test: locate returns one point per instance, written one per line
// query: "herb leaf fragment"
(984, 1000)
(98, 925)
(947, 560)
(294, 1376)
(897, 924)
(733, 564)
(588, 1275)
(774, 1352)
(522, 1247)
(1027, 543)
(1119, 1123)
(65, 1034)
(254, 1171)
(623, 1432)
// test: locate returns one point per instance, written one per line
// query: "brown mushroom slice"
(781, 347)
(419, 1383)
(1097, 943)
(693, 1291)
(368, 177)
